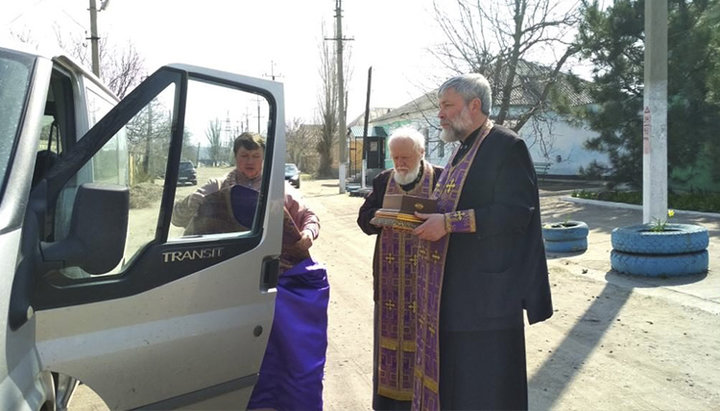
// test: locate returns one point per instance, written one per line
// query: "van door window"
(136, 157)
(206, 201)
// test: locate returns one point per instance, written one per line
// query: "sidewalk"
(701, 291)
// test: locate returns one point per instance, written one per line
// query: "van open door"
(111, 293)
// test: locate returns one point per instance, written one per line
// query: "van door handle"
(269, 274)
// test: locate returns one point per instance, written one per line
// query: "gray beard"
(408, 177)
(450, 135)
(459, 128)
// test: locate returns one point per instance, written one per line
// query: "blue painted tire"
(661, 265)
(570, 246)
(676, 239)
(570, 230)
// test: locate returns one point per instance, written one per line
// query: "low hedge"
(695, 201)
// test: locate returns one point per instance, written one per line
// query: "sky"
(261, 38)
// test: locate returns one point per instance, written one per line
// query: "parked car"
(292, 174)
(187, 173)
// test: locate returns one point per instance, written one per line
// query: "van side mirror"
(98, 230)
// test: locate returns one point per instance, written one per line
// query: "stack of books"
(398, 211)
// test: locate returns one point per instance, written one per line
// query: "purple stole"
(426, 392)
(398, 265)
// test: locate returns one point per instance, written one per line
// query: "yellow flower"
(659, 224)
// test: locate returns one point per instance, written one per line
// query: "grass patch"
(695, 201)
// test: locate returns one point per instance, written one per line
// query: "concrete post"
(342, 132)
(94, 39)
(655, 112)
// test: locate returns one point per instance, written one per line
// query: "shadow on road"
(566, 361)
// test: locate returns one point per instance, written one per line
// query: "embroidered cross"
(412, 307)
(389, 305)
(389, 258)
(450, 186)
(413, 260)
(436, 256)
(458, 215)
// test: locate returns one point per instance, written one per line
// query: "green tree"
(613, 40)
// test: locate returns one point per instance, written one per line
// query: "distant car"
(292, 174)
(187, 173)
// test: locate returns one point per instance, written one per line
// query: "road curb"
(632, 206)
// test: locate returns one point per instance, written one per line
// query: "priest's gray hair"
(406, 132)
(470, 86)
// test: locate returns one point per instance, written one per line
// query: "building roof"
(375, 112)
(374, 131)
(529, 83)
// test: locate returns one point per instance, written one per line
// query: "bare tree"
(328, 109)
(299, 140)
(121, 68)
(328, 105)
(214, 136)
(148, 134)
(499, 39)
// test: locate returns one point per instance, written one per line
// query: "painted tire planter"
(565, 237)
(660, 265)
(674, 239)
(680, 249)
(569, 246)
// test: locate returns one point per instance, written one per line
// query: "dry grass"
(144, 194)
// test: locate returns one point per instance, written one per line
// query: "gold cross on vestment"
(436, 256)
(389, 305)
(389, 258)
(458, 215)
(412, 307)
(450, 186)
(413, 260)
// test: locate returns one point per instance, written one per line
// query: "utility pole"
(342, 157)
(365, 130)
(655, 112)
(94, 35)
(94, 39)
(272, 74)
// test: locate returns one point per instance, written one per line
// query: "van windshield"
(15, 69)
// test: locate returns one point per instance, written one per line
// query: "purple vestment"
(397, 306)
(426, 392)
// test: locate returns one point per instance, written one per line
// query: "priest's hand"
(433, 228)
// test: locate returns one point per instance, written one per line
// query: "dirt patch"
(144, 194)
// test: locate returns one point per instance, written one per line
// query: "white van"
(114, 296)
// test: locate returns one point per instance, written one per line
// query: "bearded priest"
(395, 265)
